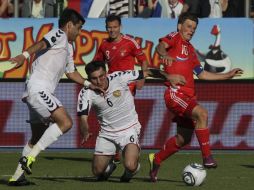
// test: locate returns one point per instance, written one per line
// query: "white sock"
(26, 150)
(49, 136)
(19, 171)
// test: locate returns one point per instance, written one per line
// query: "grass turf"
(72, 171)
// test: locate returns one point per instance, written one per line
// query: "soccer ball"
(194, 174)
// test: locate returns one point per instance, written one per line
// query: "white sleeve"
(55, 37)
(84, 102)
(70, 67)
(127, 76)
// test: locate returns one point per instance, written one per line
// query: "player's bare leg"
(62, 124)
(18, 179)
(103, 166)
(200, 114)
(131, 162)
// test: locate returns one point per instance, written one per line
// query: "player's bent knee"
(131, 165)
(66, 125)
(97, 171)
(180, 141)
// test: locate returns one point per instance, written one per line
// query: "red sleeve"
(169, 39)
(99, 55)
(137, 52)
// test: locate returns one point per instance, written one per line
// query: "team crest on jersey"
(117, 93)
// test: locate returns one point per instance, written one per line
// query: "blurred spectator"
(146, 7)
(10, 8)
(38, 8)
(102, 8)
(235, 9)
(217, 8)
(119, 8)
(3, 8)
(168, 9)
(201, 8)
(252, 9)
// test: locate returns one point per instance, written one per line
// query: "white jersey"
(116, 110)
(50, 65)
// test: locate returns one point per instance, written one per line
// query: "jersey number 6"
(109, 102)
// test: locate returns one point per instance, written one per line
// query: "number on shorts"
(132, 138)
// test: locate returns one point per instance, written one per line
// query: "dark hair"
(94, 66)
(70, 15)
(111, 18)
(184, 16)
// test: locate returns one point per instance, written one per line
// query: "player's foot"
(127, 176)
(26, 163)
(117, 158)
(21, 181)
(109, 170)
(154, 168)
(209, 162)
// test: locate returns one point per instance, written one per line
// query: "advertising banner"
(230, 108)
(233, 37)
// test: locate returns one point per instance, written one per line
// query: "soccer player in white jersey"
(120, 127)
(48, 117)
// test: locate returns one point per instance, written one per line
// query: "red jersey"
(186, 62)
(120, 56)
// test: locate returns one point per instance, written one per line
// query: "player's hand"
(86, 136)
(175, 80)
(237, 72)
(18, 60)
(140, 84)
(97, 89)
(167, 60)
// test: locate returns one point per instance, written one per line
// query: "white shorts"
(41, 104)
(107, 144)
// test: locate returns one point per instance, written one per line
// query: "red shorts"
(181, 105)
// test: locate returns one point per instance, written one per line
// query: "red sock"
(203, 139)
(169, 148)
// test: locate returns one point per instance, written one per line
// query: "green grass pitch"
(71, 170)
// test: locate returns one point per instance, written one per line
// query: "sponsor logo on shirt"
(122, 52)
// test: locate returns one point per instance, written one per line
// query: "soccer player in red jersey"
(120, 52)
(179, 57)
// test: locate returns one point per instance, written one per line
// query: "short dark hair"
(184, 16)
(94, 66)
(70, 15)
(111, 18)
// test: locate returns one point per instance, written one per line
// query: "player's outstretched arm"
(161, 49)
(76, 77)
(84, 129)
(174, 79)
(205, 75)
(20, 59)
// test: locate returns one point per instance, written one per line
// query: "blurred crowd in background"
(128, 8)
